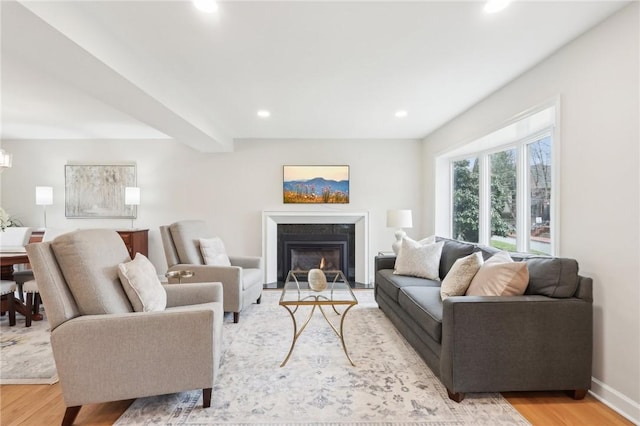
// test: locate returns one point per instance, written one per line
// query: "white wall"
(228, 190)
(597, 79)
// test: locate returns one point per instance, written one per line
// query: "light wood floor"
(42, 405)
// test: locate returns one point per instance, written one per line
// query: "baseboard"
(618, 402)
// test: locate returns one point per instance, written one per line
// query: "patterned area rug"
(25, 353)
(390, 383)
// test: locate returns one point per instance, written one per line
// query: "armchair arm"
(516, 343)
(114, 357)
(196, 293)
(208, 273)
(246, 261)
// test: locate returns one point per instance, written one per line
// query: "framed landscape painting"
(315, 184)
(97, 191)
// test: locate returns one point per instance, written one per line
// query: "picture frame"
(98, 190)
(308, 184)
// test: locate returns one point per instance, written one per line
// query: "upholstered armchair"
(242, 278)
(106, 351)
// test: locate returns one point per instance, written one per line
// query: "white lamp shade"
(132, 196)
(399, 219)
(44, 195)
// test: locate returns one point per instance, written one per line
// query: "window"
(465, 207)
(501, 187)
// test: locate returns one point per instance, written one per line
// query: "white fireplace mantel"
(271, 219)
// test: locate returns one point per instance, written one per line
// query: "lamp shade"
(132, 196)
(399, 219)
(44, 195)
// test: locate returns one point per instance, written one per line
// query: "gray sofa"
(541, 340)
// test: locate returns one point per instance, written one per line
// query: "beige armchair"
(106, 352)
(242, 281)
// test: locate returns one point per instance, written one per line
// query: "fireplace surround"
(360, 220)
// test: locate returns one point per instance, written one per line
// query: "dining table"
(10, 257)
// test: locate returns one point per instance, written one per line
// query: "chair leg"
(259, 299)
(70, 415)
(28, 312)
(11, 306)
(236, 317)
(206, 397)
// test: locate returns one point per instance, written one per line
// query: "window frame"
(523, 181)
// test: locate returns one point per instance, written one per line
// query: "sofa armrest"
(516, 343)
(193, 294)
(254, 262)
(385, 262)
(114, 357)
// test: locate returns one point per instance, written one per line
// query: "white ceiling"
(339, 70)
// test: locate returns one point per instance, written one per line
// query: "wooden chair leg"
(28, 312)
(11, 306)
(206, 397)
(70, 415)
(236, 317)
(259, 300)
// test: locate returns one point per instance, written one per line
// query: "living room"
(594, 79)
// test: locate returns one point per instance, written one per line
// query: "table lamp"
(399, 219)
(44, 198)
(132, 198)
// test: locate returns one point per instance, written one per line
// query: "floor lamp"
(132, 198)
(44, 198)
(399, 219)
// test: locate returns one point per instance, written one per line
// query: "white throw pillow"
(460, 275)
(419, 260)
(213, 252)
(141, 284)
(500, 276)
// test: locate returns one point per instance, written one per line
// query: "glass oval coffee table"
(296, 293)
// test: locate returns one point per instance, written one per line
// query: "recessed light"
(207, 6)
(401, 113)
(263, 113)
(494, 6)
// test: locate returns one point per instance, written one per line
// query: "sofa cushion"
(213, 252)
(425, 306)
(500, 276)
(391, 284)
(186, 235)
(418, 260)
(452, 251)
(460, 275)
(551, 276)
(89, 261)
(142, 286)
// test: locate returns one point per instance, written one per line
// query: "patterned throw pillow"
(419, 260)
(460, 275)
(500, 276)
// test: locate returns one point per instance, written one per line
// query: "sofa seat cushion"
(89, 261)
(424, 305)
(251, 277)
(391, 283)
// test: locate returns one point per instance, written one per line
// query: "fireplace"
(272, 220)
(308, 246)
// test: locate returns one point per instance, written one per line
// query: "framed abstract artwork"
(315, 184)
(97, 191)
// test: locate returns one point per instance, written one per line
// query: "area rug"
(390, 383)
(25, 353)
